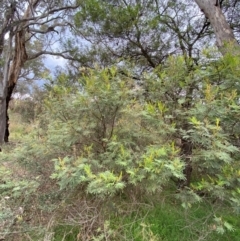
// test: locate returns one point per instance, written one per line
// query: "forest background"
(136, 137)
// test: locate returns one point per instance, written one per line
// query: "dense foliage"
(139, 132)
(115, 132)
(109, 134)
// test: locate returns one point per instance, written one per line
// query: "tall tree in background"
(144, 32)
(23, 23)
(147, 32)
(222, 29)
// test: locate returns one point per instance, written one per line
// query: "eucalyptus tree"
(222, 25)
(145, 32)
(22, 24)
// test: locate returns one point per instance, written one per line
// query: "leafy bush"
(15, 194)
(109, 135)
(109, 139)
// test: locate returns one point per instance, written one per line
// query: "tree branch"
(62, 54)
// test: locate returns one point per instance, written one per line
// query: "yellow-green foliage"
(108, 134)
(110, 140)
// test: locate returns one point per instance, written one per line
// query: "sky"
(51, 62)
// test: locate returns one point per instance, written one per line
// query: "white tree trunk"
(3, 90)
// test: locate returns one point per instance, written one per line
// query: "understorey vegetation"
(134, 135)
(109, 152)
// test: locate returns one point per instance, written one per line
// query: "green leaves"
(221, 226)
(110, 140)
(106, 137)
(107, 133)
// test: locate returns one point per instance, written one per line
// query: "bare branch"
(61, 54)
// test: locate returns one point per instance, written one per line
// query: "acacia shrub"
(105, 136)
(106, 140)
(203, 104)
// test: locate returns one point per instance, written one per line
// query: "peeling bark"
(3, 91)
(21, 31)
(12, 72)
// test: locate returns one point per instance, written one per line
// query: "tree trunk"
(2, 119)
(3, 90)
(9, 94)
(186, 152)
(19, 28)
(11, 72)
(221, 28)
(4, 75)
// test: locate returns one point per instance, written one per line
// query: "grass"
(66, 233)
(163, 222)
(169, 222)
(17, 127)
